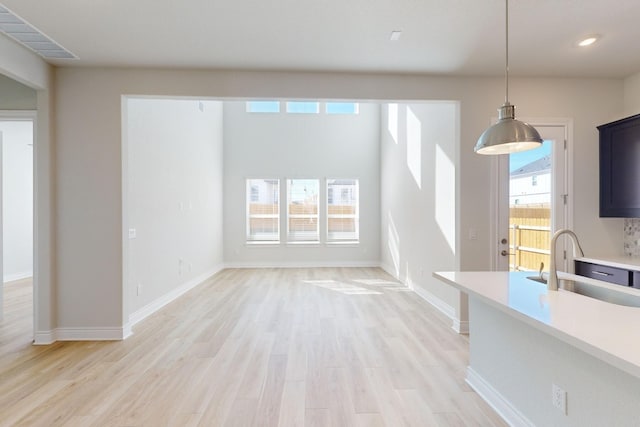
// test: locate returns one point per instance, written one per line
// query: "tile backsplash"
(632, 236)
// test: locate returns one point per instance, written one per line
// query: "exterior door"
(532, 202)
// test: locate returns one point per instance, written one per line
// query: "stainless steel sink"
(603, 291)
(604, 294)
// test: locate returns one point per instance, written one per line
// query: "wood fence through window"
(529, 237)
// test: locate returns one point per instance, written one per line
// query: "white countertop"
(606, 331)
(621, 261)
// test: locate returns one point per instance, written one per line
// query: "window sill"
(298, 244)
(347, 244)
(259, 244)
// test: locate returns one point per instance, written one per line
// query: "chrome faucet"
(552, 283)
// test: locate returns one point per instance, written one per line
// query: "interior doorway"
(17, 215)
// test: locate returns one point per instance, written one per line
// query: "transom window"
(303, 107)
(341, 108)
(263, 106)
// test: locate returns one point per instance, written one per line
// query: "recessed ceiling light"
(588, 41)
(395, 35)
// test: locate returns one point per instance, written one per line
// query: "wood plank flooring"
(264, 347)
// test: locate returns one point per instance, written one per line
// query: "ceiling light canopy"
(508, 135)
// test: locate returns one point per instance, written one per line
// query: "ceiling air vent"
(22, 32)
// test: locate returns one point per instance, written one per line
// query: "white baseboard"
(302, 264)
(158, 303)
(389, 269)
(461, 327)
(17, 276)
(79, 334)
(439, 304)
(90, 334)
(497, 401)
(118, 333)
(44, 337)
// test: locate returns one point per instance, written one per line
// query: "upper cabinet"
(620, 168)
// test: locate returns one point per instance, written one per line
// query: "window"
(263, 106)
(255, 193)
(341, 108)
(302, 210)
(343, 223)
(303, 107)
(263, 210)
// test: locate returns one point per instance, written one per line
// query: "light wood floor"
(313, 347)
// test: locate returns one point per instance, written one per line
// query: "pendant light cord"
(506, 56)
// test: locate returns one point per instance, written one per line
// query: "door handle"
(504, 252)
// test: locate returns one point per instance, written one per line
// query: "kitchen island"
(525, 339)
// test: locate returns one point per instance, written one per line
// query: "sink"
(592, 288)
(607, 294)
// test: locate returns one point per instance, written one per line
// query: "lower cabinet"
(619, 276)
(635, 279)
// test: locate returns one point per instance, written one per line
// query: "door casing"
(559, 130)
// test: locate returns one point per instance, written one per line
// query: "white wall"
(17, 199)
(631, 95)
(16, 96)
(419, 171)
(281, 145)
(88, 132)
(26, 67)
(174, 177)
(522, 363)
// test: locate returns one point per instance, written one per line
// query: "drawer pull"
(601, 273)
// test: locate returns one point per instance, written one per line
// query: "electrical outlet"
(139, 289)
(559, 398)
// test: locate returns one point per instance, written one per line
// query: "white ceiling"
(458, 37)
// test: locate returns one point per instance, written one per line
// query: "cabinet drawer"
(605, 273)
(635, 280)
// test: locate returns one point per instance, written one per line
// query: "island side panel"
(521, 363)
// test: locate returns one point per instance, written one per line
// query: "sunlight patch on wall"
(392, 121)
(445, 197)
(414, 142)
(393, 244)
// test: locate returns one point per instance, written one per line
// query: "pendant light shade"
(508, 135)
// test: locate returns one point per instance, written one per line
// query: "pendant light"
(508, 135)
